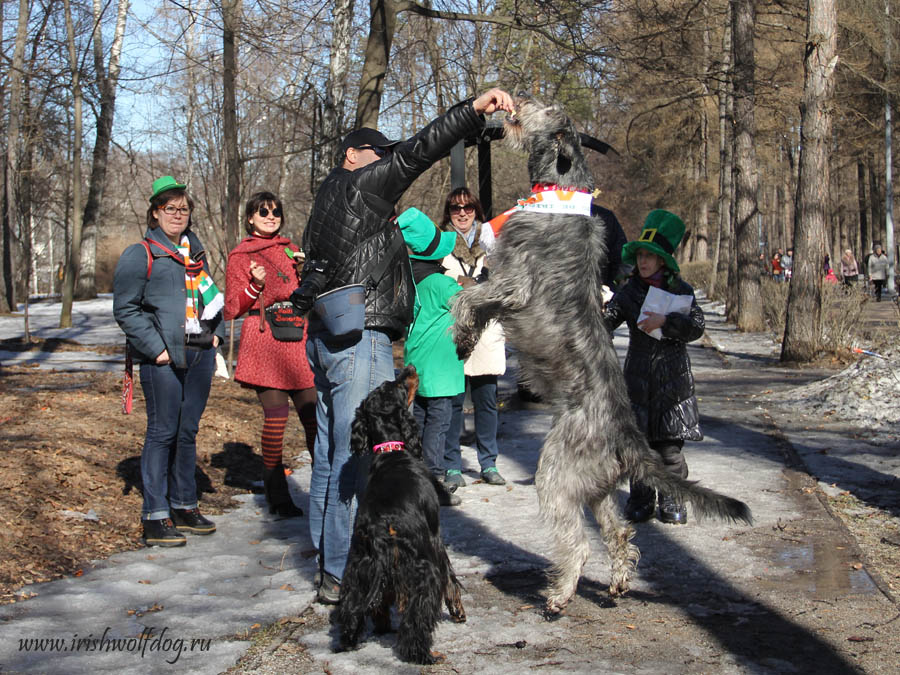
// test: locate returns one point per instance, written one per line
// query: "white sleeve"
(487, 239)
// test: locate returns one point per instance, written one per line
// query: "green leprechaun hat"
(165, 183)
(661, 235)
(423, 237)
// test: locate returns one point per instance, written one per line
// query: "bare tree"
(749, 316)
(11, 212)
(107, 82)
(231, 18)
(383, 25)
(723, 238)
(74, 255)
(336, 89)
(803, 323)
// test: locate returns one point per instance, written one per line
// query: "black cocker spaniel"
(397, 556)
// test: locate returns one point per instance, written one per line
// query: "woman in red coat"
(260, 275)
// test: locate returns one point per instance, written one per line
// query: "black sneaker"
(190, 520)
(492, 477)
(454, 479)
(671, 511)
(161, 533)
(329, 590)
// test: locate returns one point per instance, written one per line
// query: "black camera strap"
(387, 257)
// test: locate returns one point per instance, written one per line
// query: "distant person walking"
(787, 264)
(777, 271)
(849, 268)
(260, 278)
(171, 313)
(878, 271)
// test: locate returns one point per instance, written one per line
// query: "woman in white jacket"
(467, 264)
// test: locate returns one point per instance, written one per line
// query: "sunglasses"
(381, 152)
(460, 208)
(264, 212)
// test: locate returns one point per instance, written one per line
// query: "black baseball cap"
(366, 136)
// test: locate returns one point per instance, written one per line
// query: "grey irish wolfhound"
(545, 288)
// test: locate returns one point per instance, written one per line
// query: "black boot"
(672, 511)
(161, 533)
(641, 504)
(277, 494)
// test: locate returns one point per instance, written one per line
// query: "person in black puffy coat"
(658, 369)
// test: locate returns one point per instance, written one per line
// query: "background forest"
(765, 125)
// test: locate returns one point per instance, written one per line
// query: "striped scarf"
(200, 289)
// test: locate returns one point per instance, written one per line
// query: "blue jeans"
(176, 399)
(345, 372)
(484, 399)
(432, 414)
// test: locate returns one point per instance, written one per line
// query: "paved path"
(782, 596)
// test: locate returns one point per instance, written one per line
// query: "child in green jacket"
(429, 344)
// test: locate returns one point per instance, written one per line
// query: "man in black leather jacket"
(352, 230)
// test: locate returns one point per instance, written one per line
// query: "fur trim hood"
(461, 250)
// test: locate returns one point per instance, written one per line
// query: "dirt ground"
(70, 486)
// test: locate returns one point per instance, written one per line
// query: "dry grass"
(842, 311)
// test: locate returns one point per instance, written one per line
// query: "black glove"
(484, 276)
(313, 279)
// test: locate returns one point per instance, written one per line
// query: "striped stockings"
(275, 416)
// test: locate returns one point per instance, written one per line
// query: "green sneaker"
(492, 477)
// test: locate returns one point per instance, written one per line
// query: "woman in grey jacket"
(878, 271)
(171, 313)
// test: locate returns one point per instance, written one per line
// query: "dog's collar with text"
(548, 198)
(389, 446)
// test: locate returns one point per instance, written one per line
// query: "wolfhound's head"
(549, 137)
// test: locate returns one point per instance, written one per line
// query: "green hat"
(165, 183)
(661, 235)
(423, 237)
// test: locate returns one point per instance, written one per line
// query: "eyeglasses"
(381, 152)
(264, 212)
(170, 210)
(459, 208)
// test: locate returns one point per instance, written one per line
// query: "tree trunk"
(749, 315)
(876, 200)
(74, 253)
(721, 255)
(336, 89)
(803, 324)
(10, 174)
(231, 13)
(864, 241)
(108, 81)
(382, 26)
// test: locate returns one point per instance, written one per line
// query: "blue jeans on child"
(345, 373)
(175, 399)
(484, 400)
(432, 414)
